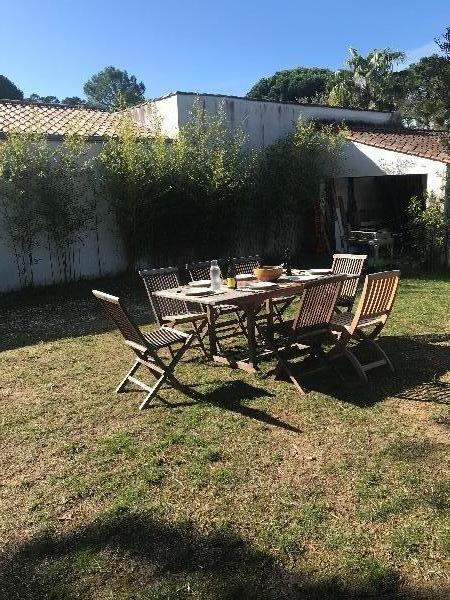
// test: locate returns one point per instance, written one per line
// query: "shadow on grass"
(133, 556)
(231, 396)
(64, 311)
(420, 362)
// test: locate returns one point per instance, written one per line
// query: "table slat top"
(239, 296)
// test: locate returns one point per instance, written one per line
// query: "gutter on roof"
(57, 137)
(181, 93)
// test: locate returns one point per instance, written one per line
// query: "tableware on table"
(215, 276)
(199, 291)
(244, 276)
(231, 281)
(306, 277)
(299, 272)
(261, 285)
(268, 273)
(320, 271)
(200, 283)
(287, 278)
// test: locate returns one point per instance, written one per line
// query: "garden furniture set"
(323, 327)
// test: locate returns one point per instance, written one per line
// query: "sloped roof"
(56, 120)
(418, 142)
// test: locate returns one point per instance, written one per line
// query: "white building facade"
(382, 162)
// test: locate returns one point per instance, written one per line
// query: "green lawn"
(243, 489)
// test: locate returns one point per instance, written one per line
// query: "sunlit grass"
(244, 490)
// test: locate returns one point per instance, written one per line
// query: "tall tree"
(73, 101)
(43, 99)
(112, 88)
(292, 85)
(444, 42)
(8, 90)
(426, 100)
(369, 82)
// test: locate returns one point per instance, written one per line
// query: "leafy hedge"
(203, 194)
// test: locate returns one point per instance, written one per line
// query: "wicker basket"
(268, 273)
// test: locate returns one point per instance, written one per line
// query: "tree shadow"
(66, 311)
(420, 362)
(145, 558)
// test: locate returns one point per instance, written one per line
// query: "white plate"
(320, 271)
(200, 283)
(262, 285)
(291, 278)
(242, 276)
(306, 277)
(199, 291)
(299, 272)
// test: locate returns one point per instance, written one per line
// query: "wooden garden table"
(250, 302)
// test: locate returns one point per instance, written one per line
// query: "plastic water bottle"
(215, 276)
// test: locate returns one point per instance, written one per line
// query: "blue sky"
(51, 47)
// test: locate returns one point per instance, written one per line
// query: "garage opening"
(371, 213)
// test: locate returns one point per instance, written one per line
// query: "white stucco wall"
(265, 122)
(91, 259)
(167, 110)
(361, 160)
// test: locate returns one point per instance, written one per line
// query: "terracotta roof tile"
(56, 120)
(418, 142)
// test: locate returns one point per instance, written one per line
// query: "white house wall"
(265, 122)
(91, 259)
(361, 160)
(167, 111)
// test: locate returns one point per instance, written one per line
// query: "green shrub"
(44, 200)
(428, 230)
(205, 194)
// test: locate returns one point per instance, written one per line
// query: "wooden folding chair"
(349, 264)
(246, 264)
(199, 271)
(373, 310)
(309, 330)
(146, 347)
(173, 313)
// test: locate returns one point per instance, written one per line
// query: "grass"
(244, 490)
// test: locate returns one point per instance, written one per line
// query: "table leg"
(269, 310)
(252, 361)
(211, 315)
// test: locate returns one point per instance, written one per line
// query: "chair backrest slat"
(156, 280)
(318, 301)
(199, 270)
(377, 297)
(246, 264)
(350, 264)
(120, 317)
